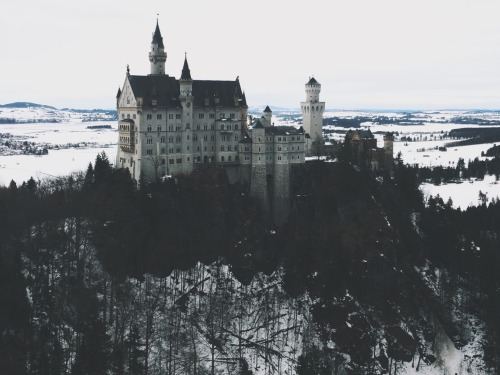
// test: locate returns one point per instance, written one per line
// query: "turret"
(157, 55)
(268, 115)
(312, 114)
(186, 83)
(313, 88)
(389, 150)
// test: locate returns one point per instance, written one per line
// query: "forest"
(100, 275)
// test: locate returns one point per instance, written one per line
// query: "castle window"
(171, 139)
(170, 161)
(170, 150)
(149, 152)
(171, 116)
(198, 148)
(198, 158)
(205, 138)
(212, 127)
(229, 148)
(205, 127)
(222, 148)
(222, 115)
(163, 150)
(149, 140)
(279, 139)
(162, 139)
(195, 137)
(279, 148)
(178, 138)
(158, 116)
(222, 127)
(211, 115)
(279, 157)
(149, 129)
(235, 126)
(178, 128)
(198, 127)
(201, 115)
(229, 158)
(236, 138)
(149, 116)
(170, 128)
(222, 158)
(187, 137)
(298, 138)
(177, 116)
(163, 161)
(128, 115)
(212, 138)
(178, 150)
(231, 115)
(123, 115)
(284, 139)
(158, 129)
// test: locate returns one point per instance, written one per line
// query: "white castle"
(170, 126)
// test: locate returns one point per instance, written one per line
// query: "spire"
(119, 93)
(267, 110)
(186, 74)
(157, 38)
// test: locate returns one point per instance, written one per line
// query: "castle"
(170, 126)
(363, 150)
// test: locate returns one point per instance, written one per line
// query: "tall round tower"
(312, 113)
(157, 55)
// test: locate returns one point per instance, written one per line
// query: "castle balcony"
(126, 135)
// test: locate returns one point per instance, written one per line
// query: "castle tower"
(388, 150)
(312, 113)
(268, 115)
(186, 99)
(258, 182)
(157, 55)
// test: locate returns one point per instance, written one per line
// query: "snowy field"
(58, 162)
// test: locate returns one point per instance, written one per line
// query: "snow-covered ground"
(58, 162)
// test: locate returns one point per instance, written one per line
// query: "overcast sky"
(385, 54)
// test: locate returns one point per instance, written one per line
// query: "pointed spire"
(118, 94)
(186, 73)
(267, 110)
(157, 38)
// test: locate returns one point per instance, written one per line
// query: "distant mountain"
(25, 105)
(26, 112)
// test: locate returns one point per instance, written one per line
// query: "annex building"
(170, 126)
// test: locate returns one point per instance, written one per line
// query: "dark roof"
(267, 110)
(186, 74)
(226, 91)
(157, 38)
(118, 93)
(258, 125)
(365, 133)
(312, 81)
(163, 88)
(283, 130)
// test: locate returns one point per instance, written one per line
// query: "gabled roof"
(163, 88)
(267, 110)
(258, 125)
(166, 90)
(226, 91)
(312, 81)
(186, 73)
(157, 38)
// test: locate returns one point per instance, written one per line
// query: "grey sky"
(425, 54)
